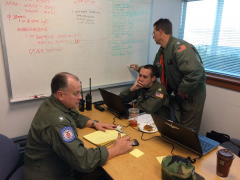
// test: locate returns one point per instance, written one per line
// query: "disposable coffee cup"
(133, 115)
(224, 162)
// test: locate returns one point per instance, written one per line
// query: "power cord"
(114, 121)
(148, 138)
(189, 158)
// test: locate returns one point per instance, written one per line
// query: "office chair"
(9, 160)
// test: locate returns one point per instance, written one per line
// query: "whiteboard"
(89, 38)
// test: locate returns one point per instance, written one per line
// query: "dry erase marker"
(38, 96)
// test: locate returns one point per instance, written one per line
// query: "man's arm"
(121, 146)
(189, 63)
(99, 125)
(128, 96)
(69, 147)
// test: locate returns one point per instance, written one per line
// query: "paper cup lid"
(225, 153)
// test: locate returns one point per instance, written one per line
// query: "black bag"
(220, 137)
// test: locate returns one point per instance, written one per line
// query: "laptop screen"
(114, 103)
(178, 134)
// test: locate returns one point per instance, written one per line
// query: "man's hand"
(182, 95)
(137, 85)
(103, 126)
(121, 146)
(135, 67)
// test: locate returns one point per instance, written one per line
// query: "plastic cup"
(133, 115)
(224, 162)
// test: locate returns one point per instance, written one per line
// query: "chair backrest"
(9, 157)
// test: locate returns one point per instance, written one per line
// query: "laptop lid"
(114, 103)
(181, 135)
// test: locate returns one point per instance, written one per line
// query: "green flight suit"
(184, 72)
(150, 100)
(53, 148)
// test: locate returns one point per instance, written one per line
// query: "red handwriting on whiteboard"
(26, 29)
(49, 9)
(11, 3)
(85, 1)
(35, 51)
(23, 19)
(16, 17)
(41, 51)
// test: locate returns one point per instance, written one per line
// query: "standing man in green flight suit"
(150, 95)
(184, 72)
(53, 150)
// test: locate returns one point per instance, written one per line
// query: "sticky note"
(160, 158)
(136, 153)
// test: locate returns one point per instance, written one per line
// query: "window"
(213, 27)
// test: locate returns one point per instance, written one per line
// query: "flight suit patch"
(67, 134)
(160, 95)
(181, 48)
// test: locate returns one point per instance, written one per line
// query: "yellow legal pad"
(101, 138)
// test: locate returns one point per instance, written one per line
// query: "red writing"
(85, 1)
(37, 7)
(11, 3)
(15, 17)
(25, 29)
(23, 19)
(36, 51)
(41, 51)
(44, 36)
(31, 5)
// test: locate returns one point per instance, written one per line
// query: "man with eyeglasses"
(53, 150)
(181, 71)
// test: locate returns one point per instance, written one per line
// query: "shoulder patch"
(67, 134)
(181, 48)
(160, 95)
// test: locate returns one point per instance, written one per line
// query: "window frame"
(223, 81)
(211, 78)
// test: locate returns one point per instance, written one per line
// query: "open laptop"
(114, 103)
(183, 136)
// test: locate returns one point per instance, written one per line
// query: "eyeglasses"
(75, 94)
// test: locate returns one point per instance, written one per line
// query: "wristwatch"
(95, 121)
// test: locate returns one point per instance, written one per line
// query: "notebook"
(183, 136)
(101, 138)
(114, 103)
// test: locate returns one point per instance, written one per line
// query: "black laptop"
(114, 103)
(183, 136)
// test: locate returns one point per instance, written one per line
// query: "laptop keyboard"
(206, 146)
(206, 143)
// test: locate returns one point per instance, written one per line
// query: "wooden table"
(127, 166)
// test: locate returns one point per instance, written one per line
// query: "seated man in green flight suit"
(53, 150)
(150, 96)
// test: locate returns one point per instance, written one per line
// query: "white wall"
(170, 9)
(221, 112)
